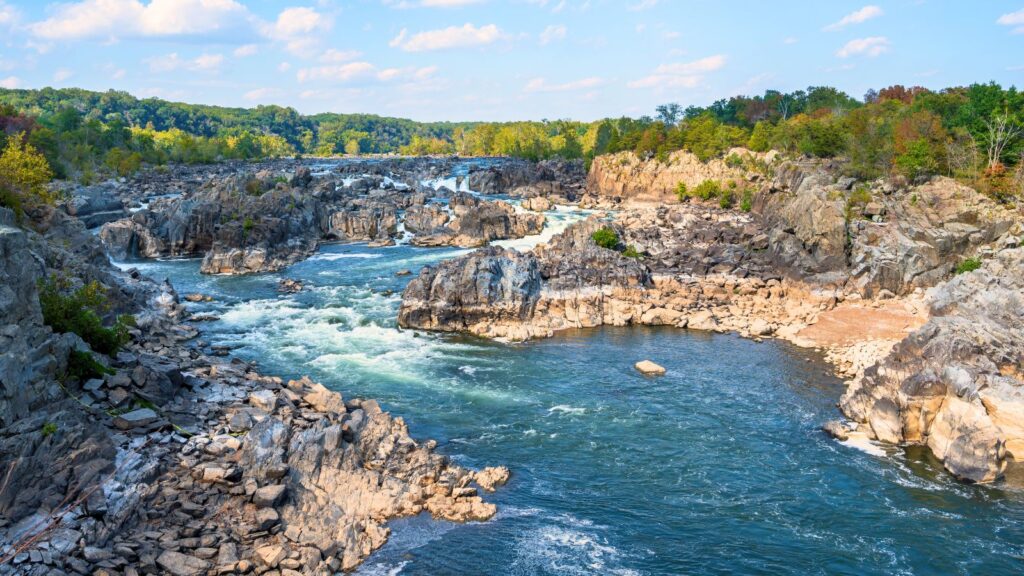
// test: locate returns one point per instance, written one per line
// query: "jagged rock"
(490, 478)
(955, 384)
(269, 496)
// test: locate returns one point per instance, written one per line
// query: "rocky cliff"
(261, 219)
(955, 385)
(626, 177)
(179, 463)
(820, 259)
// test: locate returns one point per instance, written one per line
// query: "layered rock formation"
(627, 177)
(821, 260)
(176, 462)
(955, 385)
(474, 222)
(260, 220)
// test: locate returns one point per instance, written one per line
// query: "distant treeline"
(971, 132)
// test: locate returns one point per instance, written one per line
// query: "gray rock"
(180, 564)
(136, 419)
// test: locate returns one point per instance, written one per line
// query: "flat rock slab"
(649, 368)
(136, 419)
(182, 564)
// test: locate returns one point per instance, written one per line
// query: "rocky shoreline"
(821, 260)
(181, 463)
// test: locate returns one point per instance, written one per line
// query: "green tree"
(24, 174)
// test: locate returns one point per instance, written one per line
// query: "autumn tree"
(24, 174)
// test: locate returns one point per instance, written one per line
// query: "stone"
(269, 496)
(180, 564)
(492, 477)
(265, 400)
(649, 368)
(267, 518)
(136, 419)
(270, 556)
(836, 429)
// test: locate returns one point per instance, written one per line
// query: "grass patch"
(968, 265)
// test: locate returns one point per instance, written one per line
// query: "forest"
(973, 133)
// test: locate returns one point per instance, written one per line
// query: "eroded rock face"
(955, 384)
(629, 178)
(475, 222)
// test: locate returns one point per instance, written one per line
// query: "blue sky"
(502, 60)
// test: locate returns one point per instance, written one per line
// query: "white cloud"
(62, 74)
(447, 3)
(363, 71)
(553, 33)
(1015, 19)
(132, 18)
(172, 62)
(465, 36)
(790, 40)
(118, 74)
(872, 46)
(864, 14)
(643, 5)
(8, 15)
(246, 50)
(541, 85)
(680, 75)
(333, 55)
(261, 94)
(339, 73)
(10, 82)
(284, 67)
(299, 28)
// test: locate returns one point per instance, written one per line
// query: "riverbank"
(813, 246)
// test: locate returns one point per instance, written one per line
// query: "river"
(718, 467)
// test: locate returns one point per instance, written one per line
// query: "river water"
(718, 467)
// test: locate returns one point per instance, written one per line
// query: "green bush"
(80, 312)
(856, 202)
(726, 198)
(707, 190)
(49, 429)
(248, 224)
(747, 202)
(605, 238)
(82, 366)
(733, 161)
(631, 252)
(253, 187)
(681, 192)
(968, 265)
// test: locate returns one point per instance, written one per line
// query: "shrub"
(82, 366)
(248, 224)
(631, 252)
(49, 429)
(253, 187)
(681, 192)
(605, 238)
(747, 202)
(726, 198)
(733, 161)
(707, 190)
(80, 312)
(968, 265)
(856, 202)
(24, 174)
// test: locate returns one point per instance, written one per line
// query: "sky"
(466, 60)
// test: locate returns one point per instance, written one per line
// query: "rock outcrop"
(626, 177)
(955, 385)
(474, 223)
(176, 462)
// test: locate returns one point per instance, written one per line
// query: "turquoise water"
(716, 468)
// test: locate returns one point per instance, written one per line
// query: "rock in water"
(649, 368)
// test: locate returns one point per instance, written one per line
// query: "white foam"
(331, 256)
(860, 441)
(566, 409)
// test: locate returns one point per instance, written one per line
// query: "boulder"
(649, 368)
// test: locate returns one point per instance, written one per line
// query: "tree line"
(973, 132)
